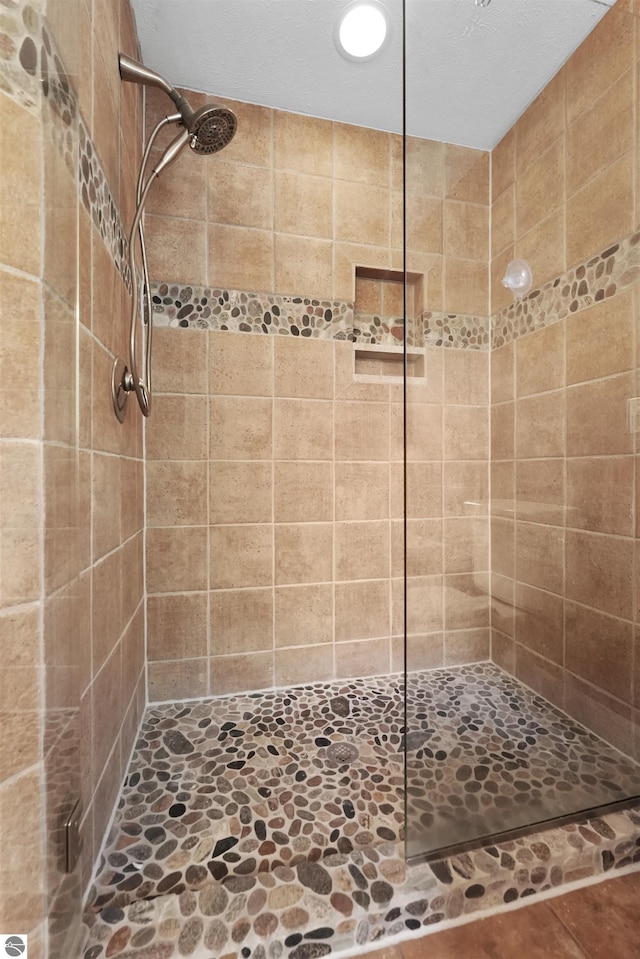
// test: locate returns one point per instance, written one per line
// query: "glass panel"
(519, 461)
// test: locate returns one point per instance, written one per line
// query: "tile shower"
(274, 505)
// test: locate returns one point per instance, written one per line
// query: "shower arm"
(127, 380)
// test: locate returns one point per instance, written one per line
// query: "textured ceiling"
(470, 70)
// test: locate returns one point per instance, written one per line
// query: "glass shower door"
(519, 611)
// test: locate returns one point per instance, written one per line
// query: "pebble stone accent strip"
(612, 271)
(99, 203)
(210, 308)
(31, 65)
(20, 43)
(458, 331)
(235, 836)
(206, 308)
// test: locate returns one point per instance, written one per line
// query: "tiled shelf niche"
(394, 299)
(373, 363)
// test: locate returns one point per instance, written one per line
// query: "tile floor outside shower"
(239, 832)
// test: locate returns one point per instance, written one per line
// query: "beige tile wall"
(71, 614)
(293, 204)
(564, 178)
(111, 468)
(274, 514)
(564, 539)
(23, 893)
(274, 482)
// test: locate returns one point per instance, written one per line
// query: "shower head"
(211, 128)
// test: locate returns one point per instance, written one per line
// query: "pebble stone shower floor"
(240, 833)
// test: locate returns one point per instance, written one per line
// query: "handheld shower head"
(211, 128)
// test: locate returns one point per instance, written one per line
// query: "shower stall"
(379, 528)
(340, 641)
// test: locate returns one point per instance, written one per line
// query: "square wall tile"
(540, 556)
(361, 155)
(362, 610)
(362, 550)
(240, 364)
(177, 249)
(233, 674)
(466, 488)
(361, 431)
(303, 205)
(311, 664)
(466, 377)
(361, 213)
(303, 266)
(180, 360)
(424, 604)
(361, 491)
(600, 572)
(368, 658)
(303, 430)
(467, 646)
(241, 556)
(539, 622)
(241, 621)
(540, 361)
(240, 492)
(303, 615)
(176, 493)
(177, 559)
(177, 626)
(466, 545)
(466, 433)
(303, 492)
(239, 195)
(177, 430)
(466, 174)
(600, 650)
(303, 553)
(179, 679)
(466, 230)
(597, 417)
(592, 350)
(239, 258)
(302, 144)
(600, 494)
(240, 428)
(303, 368)
(466, 601)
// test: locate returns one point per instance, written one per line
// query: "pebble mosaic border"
(188, 306)
(31, 66)
(347, 883)
(612, 271)
(609, 272)
(458, 331)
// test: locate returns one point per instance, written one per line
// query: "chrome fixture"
(206, 130)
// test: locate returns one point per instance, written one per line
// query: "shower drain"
(342, 753)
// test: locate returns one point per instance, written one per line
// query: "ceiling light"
(362, 30)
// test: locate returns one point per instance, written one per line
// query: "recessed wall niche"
(380, 298)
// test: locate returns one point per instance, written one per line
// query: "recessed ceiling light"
(362, 30)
